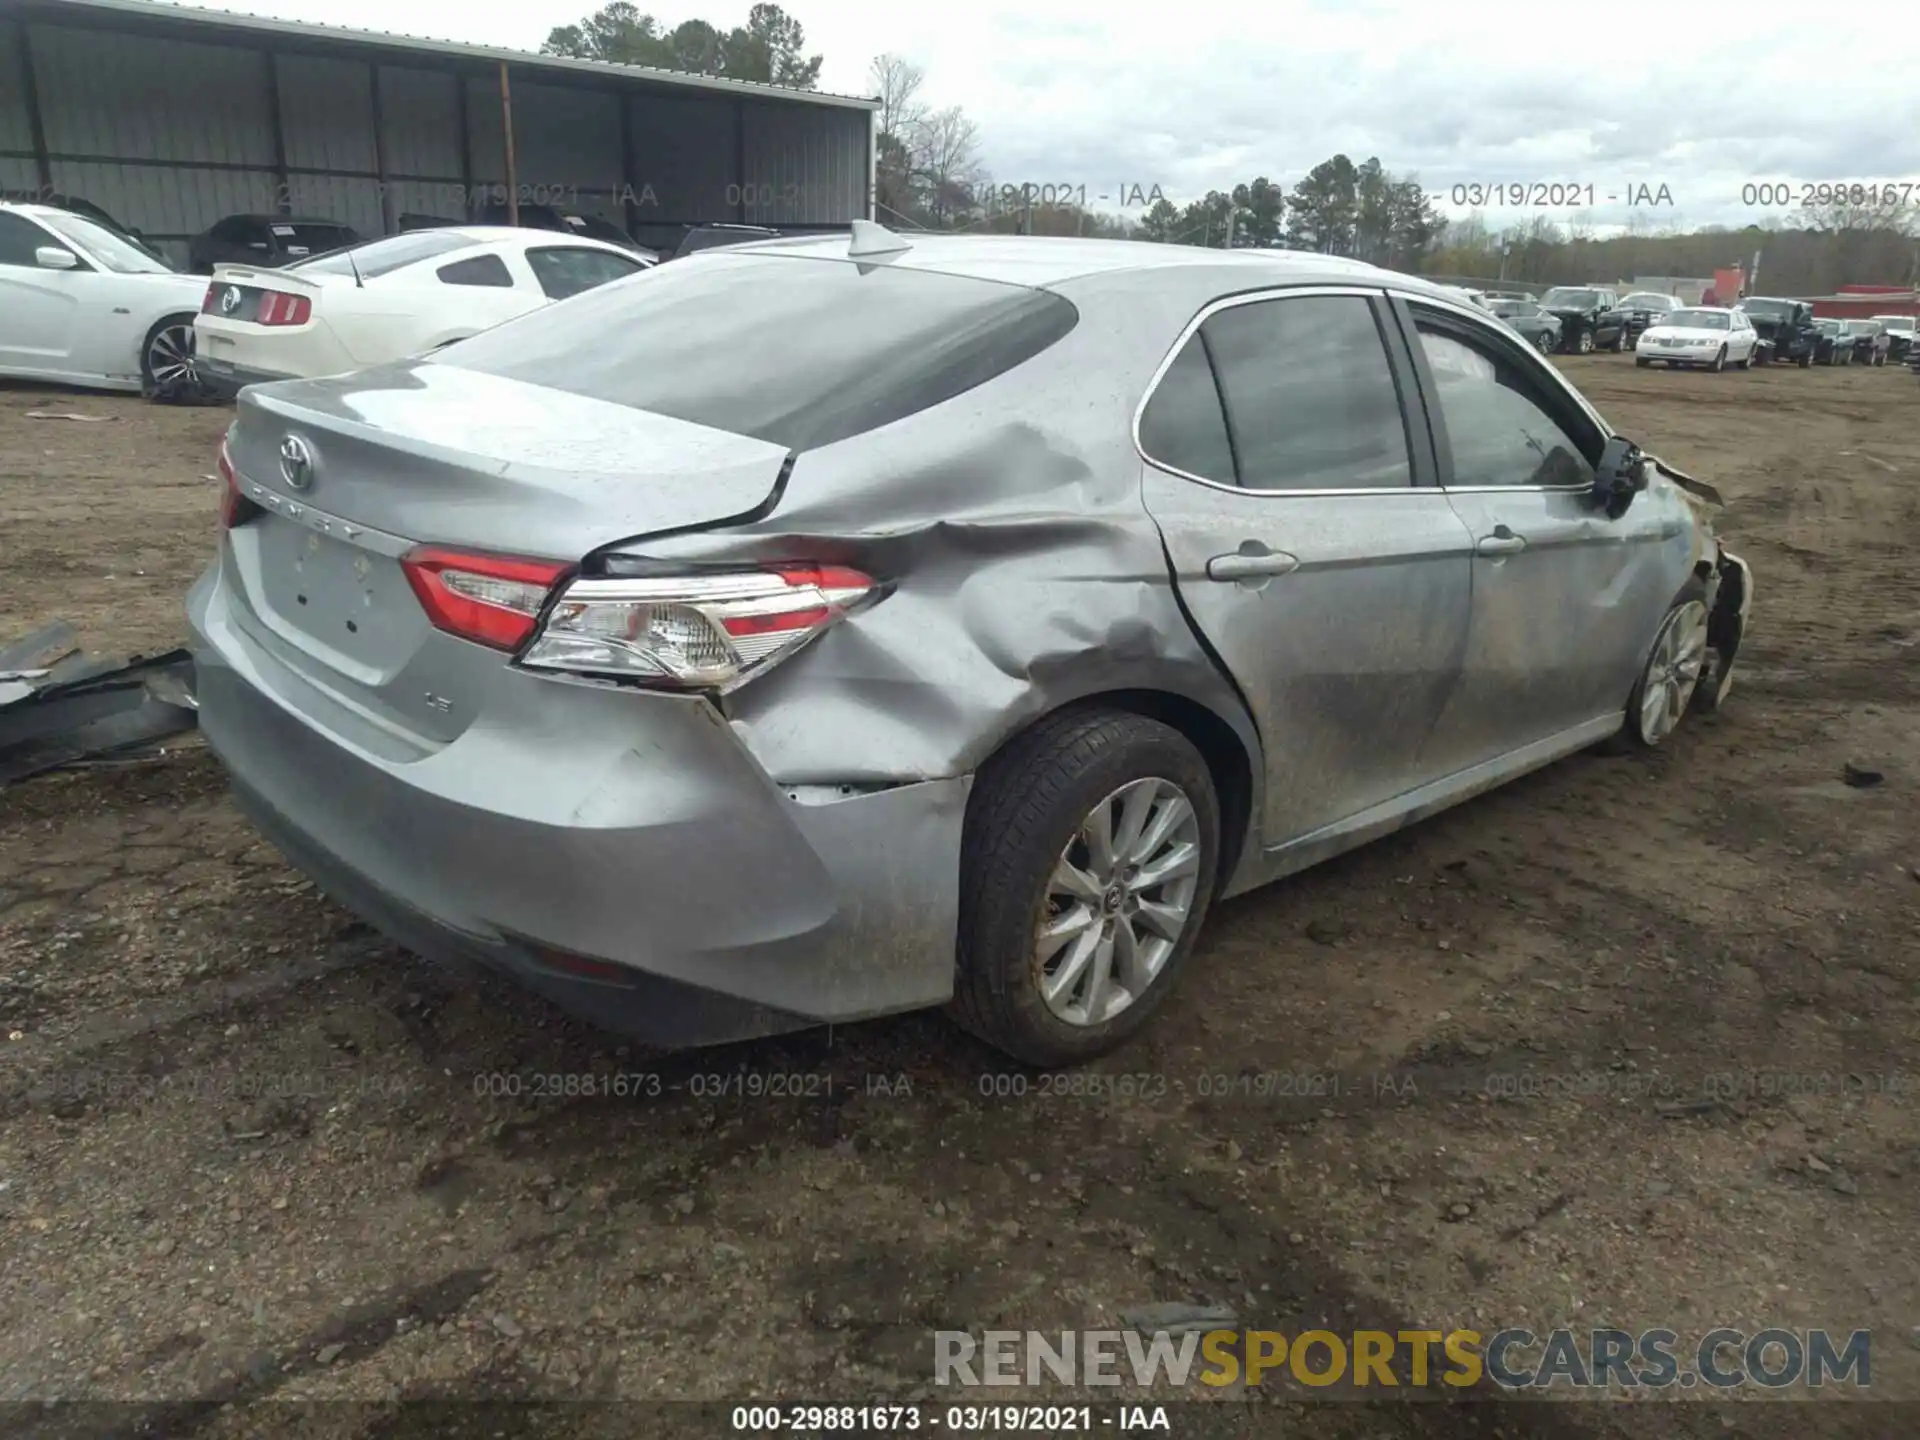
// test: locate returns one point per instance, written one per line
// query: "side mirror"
(1621, 475)
(53, 257)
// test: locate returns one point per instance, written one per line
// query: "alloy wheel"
(1118, 901)
(1679, 656)
(170, 356)
(1586, 342)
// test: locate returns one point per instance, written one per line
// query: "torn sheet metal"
(60, 706)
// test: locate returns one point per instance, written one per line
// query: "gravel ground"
(1559, 1051)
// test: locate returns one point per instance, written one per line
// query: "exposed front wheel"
(1087, 867)
(1672, 671)
(1642, 361)
(1620, 341)
(1546, 342)
(1719, 361)
(1585, 343)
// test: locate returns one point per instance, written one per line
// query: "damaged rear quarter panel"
(1025, 573)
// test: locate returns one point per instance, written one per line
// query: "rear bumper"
(635, 833)
(227, 381)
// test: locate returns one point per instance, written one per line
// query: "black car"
(708, 237)
(269, 241)
(1785, 328)
(1641, 309)
(1832, 345)
(1589, 318)
(594, 228)
(1535, 326)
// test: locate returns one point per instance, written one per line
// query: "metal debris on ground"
(69, 415)
(60, 706)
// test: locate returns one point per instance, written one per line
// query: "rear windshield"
(1771, 309)
(796, 351)
(379, 257)
(301, 239)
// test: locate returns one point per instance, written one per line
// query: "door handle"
(1501, 542)
(1256, 565)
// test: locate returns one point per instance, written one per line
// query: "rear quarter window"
(801, 352)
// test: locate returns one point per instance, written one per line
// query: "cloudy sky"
(1625, 97)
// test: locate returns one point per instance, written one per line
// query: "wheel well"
(1226, 757)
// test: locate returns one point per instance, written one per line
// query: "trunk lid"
(238, 289)
(447, 456)
(419, 453)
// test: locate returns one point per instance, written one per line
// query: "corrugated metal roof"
(96, 12)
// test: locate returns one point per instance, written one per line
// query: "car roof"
(1042, 261)
(1713, 309)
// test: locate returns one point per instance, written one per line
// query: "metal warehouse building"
(170, 118)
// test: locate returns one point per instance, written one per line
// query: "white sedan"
(1700, 335)
(82, 305)
(388, 299)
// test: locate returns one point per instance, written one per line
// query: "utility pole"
(1231, 217)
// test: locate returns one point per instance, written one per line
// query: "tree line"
(929, 174)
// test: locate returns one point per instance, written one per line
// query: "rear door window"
(799, 351)
(1309, 394)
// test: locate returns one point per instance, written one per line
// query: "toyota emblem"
(296, 462)
(230, 300)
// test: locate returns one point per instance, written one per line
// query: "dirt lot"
(248, 1150)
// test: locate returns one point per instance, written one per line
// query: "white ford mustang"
(388, 299)
(82, 305)
(1700, 335)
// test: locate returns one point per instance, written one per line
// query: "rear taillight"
(694, 631)
(491, 600)
(279, 308)
(235, 508)
(213, 298)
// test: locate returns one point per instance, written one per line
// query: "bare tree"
(897, 83)
(945, 147)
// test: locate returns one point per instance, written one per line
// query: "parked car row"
(84, 303)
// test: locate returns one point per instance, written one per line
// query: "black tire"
(1806, 360)
(1620, 341)
(1584, 344)
(1546, 342)
(1028, 803)
(1632, 736)
(169, 337)
(1642, 361)
(1719, 361)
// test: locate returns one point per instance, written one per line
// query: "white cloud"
(1687, 94)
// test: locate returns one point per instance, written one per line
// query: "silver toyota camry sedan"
(828, 627)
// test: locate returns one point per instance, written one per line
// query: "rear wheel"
(1719, 361)
(1620, 341)
(1671, 673)
(1806, 360)
(1546, 342)
(1087, 866)
(166, 356)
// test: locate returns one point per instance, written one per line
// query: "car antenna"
(354, 265)
(871, 238)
